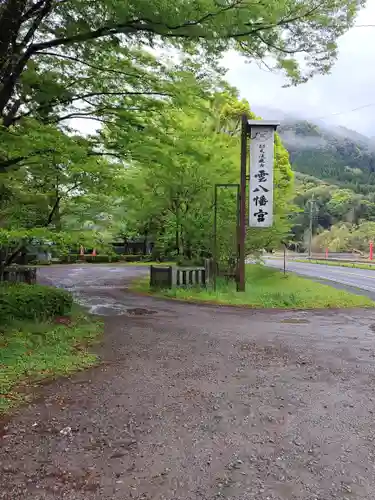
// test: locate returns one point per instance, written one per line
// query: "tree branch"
(147, 25)
(44, 10)
(69, 100)
(32, 11)
(87, 116)
(282, 22)
(98, 68)
(52, 212)
(96, 94)
(279, 49)
(5, 165)
(203, 19)
(83, 37)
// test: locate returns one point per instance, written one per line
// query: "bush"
(69, 259)
(183, 262)
(136, 258)
(101, 259)
(37, 302)
(98, 259)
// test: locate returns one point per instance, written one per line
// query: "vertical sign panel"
(261, 176)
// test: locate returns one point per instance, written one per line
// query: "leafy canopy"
(50, 34)
(182, 153)
(105, 61)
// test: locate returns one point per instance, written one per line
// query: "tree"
(337, 239)
(333, 208)
(37, 202)
(346, 237)
(58, 53)
(66, 59)
(176, 163)
(345, 205)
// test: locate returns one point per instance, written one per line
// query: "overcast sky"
(351, 83)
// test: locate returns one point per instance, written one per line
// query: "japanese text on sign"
(261, 176)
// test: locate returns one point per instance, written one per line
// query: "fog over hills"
(323, 150)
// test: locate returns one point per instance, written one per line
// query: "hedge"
(68, 259)
(190, 262)
(101, 259)
(37, 302)
(136, 258)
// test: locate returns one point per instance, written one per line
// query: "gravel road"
(197, 402)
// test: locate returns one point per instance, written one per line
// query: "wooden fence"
(170, 276)
(13, 274)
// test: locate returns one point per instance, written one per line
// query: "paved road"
(200, 403)
(350, 277)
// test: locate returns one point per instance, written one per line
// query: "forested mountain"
(335, 154)
(335, 170)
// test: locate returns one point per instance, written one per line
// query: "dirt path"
(202, 403)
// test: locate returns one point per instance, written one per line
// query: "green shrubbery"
(182, 262)
(21, 301)
(136, 258)
(103, 259)
(68, 258)
(35, 343)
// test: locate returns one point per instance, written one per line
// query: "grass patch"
(355, 265)
(266, 288)
(33, 351)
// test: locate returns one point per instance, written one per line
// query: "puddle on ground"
(117, 309)
(295, 321)
(106, 306)
(138, 311)
(101, 310)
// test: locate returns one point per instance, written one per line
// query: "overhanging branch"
(56, 102)
(6, 165)
(172, 31)
(93, 66)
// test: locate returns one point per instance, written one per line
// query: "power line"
(359, 107)
(344, 112)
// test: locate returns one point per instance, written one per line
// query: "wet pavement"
(200, 402)
(93, 286)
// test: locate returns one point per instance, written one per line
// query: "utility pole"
(242, 208)
(312, 206)
(262, 162)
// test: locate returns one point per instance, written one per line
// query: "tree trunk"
(145, 243)
(12, 62)
(10, 23)
(15, 51)
(177, 240)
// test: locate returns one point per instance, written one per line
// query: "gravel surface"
(198, 402)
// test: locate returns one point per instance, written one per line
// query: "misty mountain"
(328, 152)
